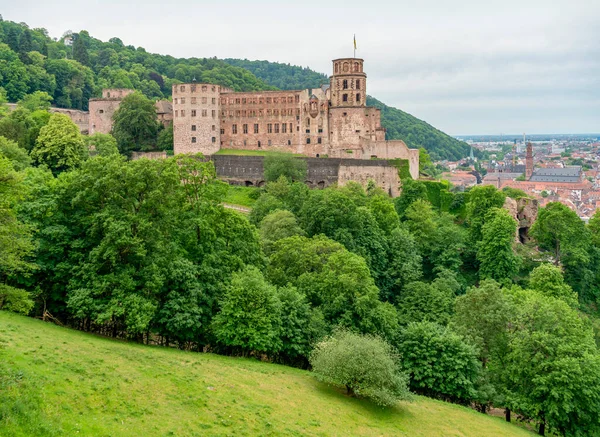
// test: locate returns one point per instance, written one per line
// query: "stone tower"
(196, 127)
(529, 162)
(348, 83)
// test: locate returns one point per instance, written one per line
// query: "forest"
(431, 288)
(75, 72)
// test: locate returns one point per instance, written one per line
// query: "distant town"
(563, 168)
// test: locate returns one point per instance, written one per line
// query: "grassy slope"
(237, 195)
(65, 382)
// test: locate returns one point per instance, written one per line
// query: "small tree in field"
(366, 365)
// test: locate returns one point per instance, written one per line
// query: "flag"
(354, 41)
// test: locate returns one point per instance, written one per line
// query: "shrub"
(15, 300)
(366, 365)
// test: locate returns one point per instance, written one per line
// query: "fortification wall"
(101, 113)
(80, 118)
(321, 172)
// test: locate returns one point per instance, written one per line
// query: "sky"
(466, 67)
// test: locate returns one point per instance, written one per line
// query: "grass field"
(253, 152)
(57, 381)
(237, 195)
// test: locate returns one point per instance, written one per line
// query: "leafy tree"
(548, 279)
(366, 366)
(276, 226)
(80, 53)
(495, 251)
(433, 302)
(481, 200)
(15, 300)
(286, 165)
(59, 144)
(35, 101)
(135, 125)
(439, 362)
(552, 369)
(17, 156)
(250, 316)
(404, 264)
(165, 139)
(101, 144)
(411, 191)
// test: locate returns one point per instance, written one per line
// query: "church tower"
(348, 83)
(529, 162)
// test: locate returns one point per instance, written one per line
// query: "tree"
(286, 165)
(15, 300)
(165, 139)
(439, 362)
(365, 365)
(276, 226)
(548, 279)
(135, 125)
(495, 250)
(17, 156)
(552, 368)
(250, 316)
(481, 200)
(433, 302)
(101, 144)
(411, 190)
(35, 101)
(59, 144)
(80, 53)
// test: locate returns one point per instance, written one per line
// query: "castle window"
(214, 100)
(275, 112)
(320, 131)
(193, 88)
(101, 111)
(308, 141)
(344, 114)
(237, 101)
(245, 128)
(244, 113)
(268, 112)
(268, 100)
(260, 100)
(203, 100)
(308, 121)
(356, 66)
(344, 97)
(237, 113)
(297, 98)
(108, 95)
(291, 128)
(276, 128)
(256, 128)
(214, 139)
(183, 112)
(275, 100)
(231, 113)
(204, 112)
(260, 112)
(244, 101)
(193, 139)
(213, 89)
(213, 127)
(283, 128)
(357, 84)
(204, 88)
(176, 113)
(193, 100)
(182, 100)
(307, 131)
(175, 100)
(269, 143)
(193, 112)
(358, 97)
(193, 127)
(222, 131)
(290, 100)
(289, 142)
(319, 140)
(234, 128)
(214, 113)
(182, 88)
(269, 128)
(345, 84)
(259, 144)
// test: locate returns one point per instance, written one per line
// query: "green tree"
(495, 251)
(276, 226)
(17, 156)
(439, 362)
(250, 316)
(481, 200)
(35, 101)
(59, 145)
(366, 366)
(135, 125)
(286, 165)
(101, 144)
(433, 302)
(165, 139)
(548, 279)
(80, 53)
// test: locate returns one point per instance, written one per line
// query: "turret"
(348, 83)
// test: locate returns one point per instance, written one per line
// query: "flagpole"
(354, 45)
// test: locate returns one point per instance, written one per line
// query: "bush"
(366, 365)
(15, 300)
(293, 169)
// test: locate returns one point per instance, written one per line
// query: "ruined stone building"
(331, 121)
(101, 110)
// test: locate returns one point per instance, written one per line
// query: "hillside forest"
(77, 67)
(429, 293)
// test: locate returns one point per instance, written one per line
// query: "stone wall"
(196, 109)
(101, 113)
(80, 118)
(321, 172)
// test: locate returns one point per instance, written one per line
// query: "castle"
(331, 121)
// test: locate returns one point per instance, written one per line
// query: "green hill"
(57, 381)
(399, 124)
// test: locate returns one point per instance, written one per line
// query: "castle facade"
(331, 121)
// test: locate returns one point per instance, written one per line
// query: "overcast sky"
(466, 67)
